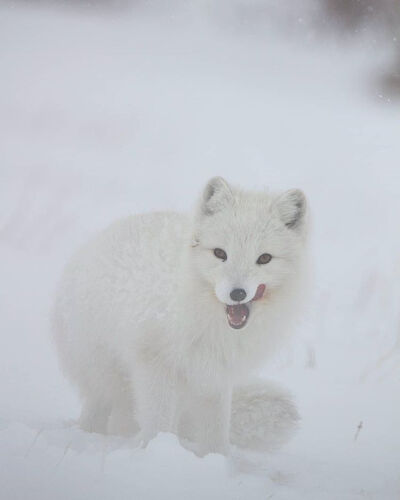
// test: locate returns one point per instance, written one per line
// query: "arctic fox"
(160, 320)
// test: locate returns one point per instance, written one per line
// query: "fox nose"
(238, 294)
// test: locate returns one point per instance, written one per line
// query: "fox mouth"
(238, 314)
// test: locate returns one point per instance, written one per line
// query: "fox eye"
(264, 258)
(220, 254)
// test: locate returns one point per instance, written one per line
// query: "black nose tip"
(238, 294)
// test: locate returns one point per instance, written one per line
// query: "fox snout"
(235, 293)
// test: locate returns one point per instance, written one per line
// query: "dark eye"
(220, 254)
(264, 258)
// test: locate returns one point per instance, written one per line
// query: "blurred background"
(115, 107)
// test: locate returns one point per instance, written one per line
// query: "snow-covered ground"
(105, 114)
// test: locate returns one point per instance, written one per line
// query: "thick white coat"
(141, 328)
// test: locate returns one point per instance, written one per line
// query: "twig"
(359, 427)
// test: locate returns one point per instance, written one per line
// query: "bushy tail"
(263, 417)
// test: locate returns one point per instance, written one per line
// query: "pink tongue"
(237, 315)
(260, 292)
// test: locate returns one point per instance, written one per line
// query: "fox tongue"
(237, 315)
(260, 292)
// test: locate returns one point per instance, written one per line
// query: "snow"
(105, 114)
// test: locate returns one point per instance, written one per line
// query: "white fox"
(161, 319)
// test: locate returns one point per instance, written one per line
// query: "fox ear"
(216, 195)
(292, 208)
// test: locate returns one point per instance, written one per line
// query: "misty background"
(116, 107)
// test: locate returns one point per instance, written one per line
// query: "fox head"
(247, 244)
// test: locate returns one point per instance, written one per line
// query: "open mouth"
(238, 314)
